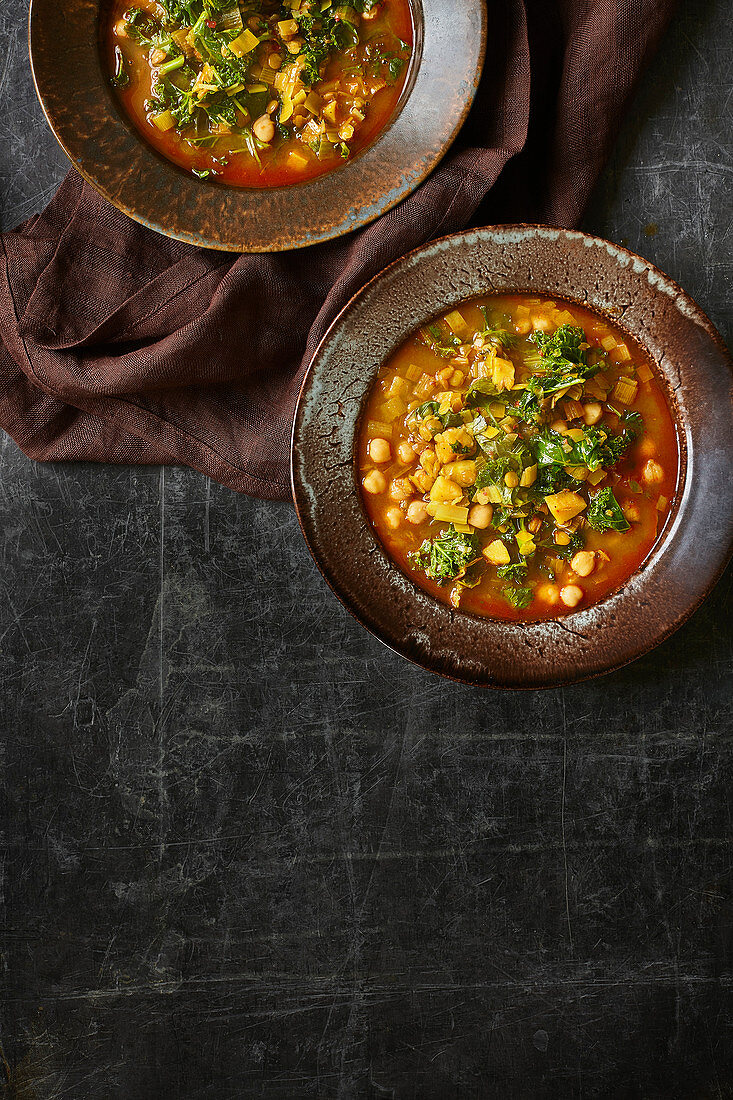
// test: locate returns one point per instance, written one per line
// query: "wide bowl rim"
(170, 201)
(658, 282)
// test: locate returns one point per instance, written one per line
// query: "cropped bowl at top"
(694, 369)
(74, 88)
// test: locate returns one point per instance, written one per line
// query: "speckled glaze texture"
(450, 41)
(695, 369)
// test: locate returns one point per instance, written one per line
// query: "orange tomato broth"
(411, 377)
(284, 160)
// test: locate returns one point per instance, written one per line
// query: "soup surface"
(259, 93)
(517, 457)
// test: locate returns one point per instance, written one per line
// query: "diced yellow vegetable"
(579, 473)
(572, 410)
(398, 387)
(448, 513)
(253, 89)
(244, 43)
(377, 428)
(565, 505)
(464, 528)
(662, 503)
(329, 111)
(445, 491)
(502, 373)
(608, 343)
(576, 434)
(413, 372)
(497, 553)
(644, 373)
(622, 354)
(393, 408)
(626, 390)
(525, 543)
(596, 477)
(457, 322)
(493, 494)
(287, 28)
(163, 121)
(565, 318)
(529, 476)
(313, 102)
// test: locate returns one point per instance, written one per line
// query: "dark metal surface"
(250, 852)
(450, 43)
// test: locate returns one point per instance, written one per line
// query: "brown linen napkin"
(120, 345)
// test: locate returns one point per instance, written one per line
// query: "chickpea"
(417, 512)
(562, 538)
(647, 447)
(571, 595)
(393, 518)
(294, 45)
(274, 61)
(375, 482)
(652, 473)
(264, 128)
(405, 453)
(379, 450)
(592, 412)
(511, 480)
(157, 57)
(583, 563)
(548, 593)
(121, 29)
(480, 516)
(534, 524)
(401, 489)
(631, 510)
(272, 106)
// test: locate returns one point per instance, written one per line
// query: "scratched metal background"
(249, 852)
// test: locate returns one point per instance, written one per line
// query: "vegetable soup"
(259, 93)
(517, 457)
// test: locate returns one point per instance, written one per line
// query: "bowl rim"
(157, 193)
(636, 646)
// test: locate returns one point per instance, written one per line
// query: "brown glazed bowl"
(693, 366)
(74, 89)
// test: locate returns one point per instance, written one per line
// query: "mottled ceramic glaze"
(74, 89)
(694, 368)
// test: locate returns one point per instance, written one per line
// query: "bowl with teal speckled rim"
(74, 90)
(694, 369)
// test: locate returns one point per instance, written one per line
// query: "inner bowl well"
(692, 364)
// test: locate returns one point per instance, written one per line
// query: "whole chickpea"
(480, 516)
(405, 453)
(592, 412)
(264, 128)
(571, 595)
(631, 510)
(583, 563)
(548, 593)
(416, 512)
(379, 450)
(393, 518)
(652, 473)
(375, 482)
